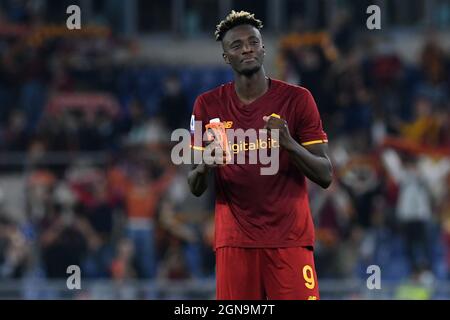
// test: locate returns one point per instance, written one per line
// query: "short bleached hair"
(236, 19)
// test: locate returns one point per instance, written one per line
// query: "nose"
(247, 48)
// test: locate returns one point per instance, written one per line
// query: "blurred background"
(85, 122)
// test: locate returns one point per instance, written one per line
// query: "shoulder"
(303, 103)
(216, 95)
(291, 89)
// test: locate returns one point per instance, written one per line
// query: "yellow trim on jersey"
(314, 142)
(198, 148)
(275, 115)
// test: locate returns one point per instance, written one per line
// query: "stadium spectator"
(141, 193)
(173, 106)
(414, 208)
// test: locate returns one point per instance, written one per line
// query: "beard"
(250, 71)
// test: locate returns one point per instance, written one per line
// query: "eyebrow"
(240, 40)
(235, 42)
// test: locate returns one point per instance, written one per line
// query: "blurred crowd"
(388, 123)
(88, 135)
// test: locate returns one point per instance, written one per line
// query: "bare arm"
(212, 156)
(198, 179)
(311, 160)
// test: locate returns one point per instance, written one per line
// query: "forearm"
(316, 168)
(198, 179)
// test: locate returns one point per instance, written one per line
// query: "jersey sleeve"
(197, 125)
(309, 128)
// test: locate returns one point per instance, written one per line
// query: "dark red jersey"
(254, 210)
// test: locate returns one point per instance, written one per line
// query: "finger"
(212, 160)
(268, 123)
(211, 135)
(214, 135)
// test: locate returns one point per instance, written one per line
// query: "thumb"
(266, 118)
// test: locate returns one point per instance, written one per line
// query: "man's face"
(243, 49)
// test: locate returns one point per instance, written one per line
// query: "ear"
(225, 58)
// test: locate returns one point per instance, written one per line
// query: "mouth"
(248, 60)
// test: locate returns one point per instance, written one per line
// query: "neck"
(250, 88)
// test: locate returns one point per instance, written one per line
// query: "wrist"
(289, 144)
(202, 168)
